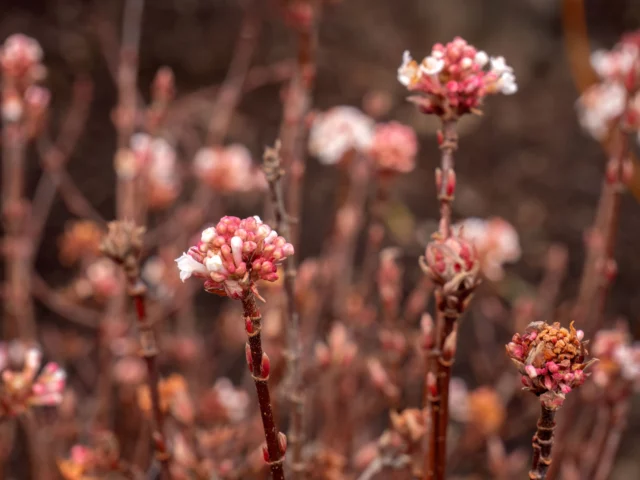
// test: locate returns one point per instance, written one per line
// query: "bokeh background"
(526, 159)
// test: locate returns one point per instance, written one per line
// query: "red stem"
(149, 351)
(253, 320)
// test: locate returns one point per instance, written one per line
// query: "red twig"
(542, 443)
(260, 366)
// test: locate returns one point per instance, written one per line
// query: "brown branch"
(55, 156)
(293, 384)
(18, 308)
(542, 443)
(259, 366)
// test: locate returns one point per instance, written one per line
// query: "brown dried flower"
(551, 359)
(80, 238)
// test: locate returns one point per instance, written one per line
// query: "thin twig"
(259, 366)
(293, 384)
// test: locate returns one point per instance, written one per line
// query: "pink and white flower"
(338, 131)
(234, 255)
(453, 79)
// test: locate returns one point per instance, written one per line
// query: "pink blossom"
(234, 255)
(338, 131)
(20, 58)
(28, 388)
(496, 242)
(454, 78)
(394, 147)
(229, 169)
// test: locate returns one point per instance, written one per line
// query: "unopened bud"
(265, 366)
(247, 352)
(432, 385)
(451, 183)
(612, 171)
(426, 323)
(438, 179)
(248, 325)
(449, 347)
(265, 454)
(282, 442)
(440, 137)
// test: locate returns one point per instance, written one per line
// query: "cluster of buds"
(21, 68)
(80, 239)
(619, 359)
(496, 242)
(235, 254)
(224, 402)
(615, 99)
(551, 360)
(340, 349)
(100, 459)
(451, 263)
(454, 79)
(157, 158)
(229, 169)
(394, 148)
(481, 409)
(26, 388)
(340, 131)
(174, 399)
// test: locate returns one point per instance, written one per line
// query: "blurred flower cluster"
(615, 99)
(496, 242)
(27, 386)
(619, 358)
(229, 169)
(22, 69)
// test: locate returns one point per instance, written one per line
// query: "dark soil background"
(526, 160)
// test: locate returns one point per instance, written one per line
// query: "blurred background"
(526, 159)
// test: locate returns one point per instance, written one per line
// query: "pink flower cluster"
(21, 68)
(496, 242)
(235, 254)
(229, 169)
(20, 58)
(615, 100)
(339, 131)
(551, 360)
(25, 388)
(394, 147)
(619, 358)
(454, 79)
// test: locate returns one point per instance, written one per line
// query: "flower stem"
(149, 351)
(253, 321)
(446, 175)
(543, 442)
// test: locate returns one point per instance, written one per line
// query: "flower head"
(619, 358)
(229, 169)
(339, 131)
(454, 79)
(600, 106)
(551, 360)
(496, 242)
(27, 388)
(20, 58)
(235, 254)
(394, 147)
